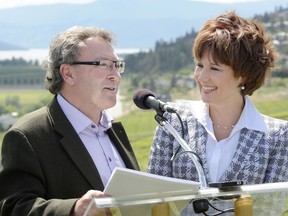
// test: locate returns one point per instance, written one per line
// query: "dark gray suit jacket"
(45, 167)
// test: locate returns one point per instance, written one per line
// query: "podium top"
(151, 198)
(269, 199)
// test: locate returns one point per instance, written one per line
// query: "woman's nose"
(202, 75)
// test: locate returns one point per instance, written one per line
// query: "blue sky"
(19, 3)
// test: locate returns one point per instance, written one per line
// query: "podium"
(268, 200)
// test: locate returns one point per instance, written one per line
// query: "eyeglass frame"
(117, 63)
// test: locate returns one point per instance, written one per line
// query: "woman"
(233, 140)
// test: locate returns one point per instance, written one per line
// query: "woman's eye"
(213, 68)
(199, 65)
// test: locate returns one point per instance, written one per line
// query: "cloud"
(19, 3)
(225, 1)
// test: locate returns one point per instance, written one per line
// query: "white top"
(219, 154)
(94, 137)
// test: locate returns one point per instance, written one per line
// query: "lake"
(40, 54)
(31, 54)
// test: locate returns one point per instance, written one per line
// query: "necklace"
(225, 127)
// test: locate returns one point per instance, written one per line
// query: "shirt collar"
(80, 122)
(250, 117)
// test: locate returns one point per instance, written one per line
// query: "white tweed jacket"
(260, 157)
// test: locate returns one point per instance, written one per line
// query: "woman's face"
(216, 82)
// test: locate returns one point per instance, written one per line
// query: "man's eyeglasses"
(106, 64)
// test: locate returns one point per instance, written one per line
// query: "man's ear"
(67, 74)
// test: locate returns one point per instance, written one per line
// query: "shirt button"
(92, 126)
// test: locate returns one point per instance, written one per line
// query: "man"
(56, 159)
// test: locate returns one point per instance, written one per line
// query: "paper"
(127, 185)
(125, 182)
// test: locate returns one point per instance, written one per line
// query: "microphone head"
(140, 97)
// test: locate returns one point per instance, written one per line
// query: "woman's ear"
(67, 74)
(242, 80)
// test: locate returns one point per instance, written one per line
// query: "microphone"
(145, 99)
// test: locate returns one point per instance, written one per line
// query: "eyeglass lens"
(119, 65)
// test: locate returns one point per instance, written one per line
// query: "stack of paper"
(125, 182)
(129, 186)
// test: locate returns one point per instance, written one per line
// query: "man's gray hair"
(64, 48)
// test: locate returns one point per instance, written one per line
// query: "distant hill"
(7, 46)
(137, 23)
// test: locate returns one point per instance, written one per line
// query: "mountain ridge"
(137, 24)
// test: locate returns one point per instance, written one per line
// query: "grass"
(1, 138)
(272, 101)
(25, 96)
(140, 126)
(275, 108)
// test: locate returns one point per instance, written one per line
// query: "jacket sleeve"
(277, 170)
(161, 153)
(22, 183)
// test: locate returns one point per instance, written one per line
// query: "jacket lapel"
(74, 146)
(119, 138)
(197, 142)
(248, 142)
